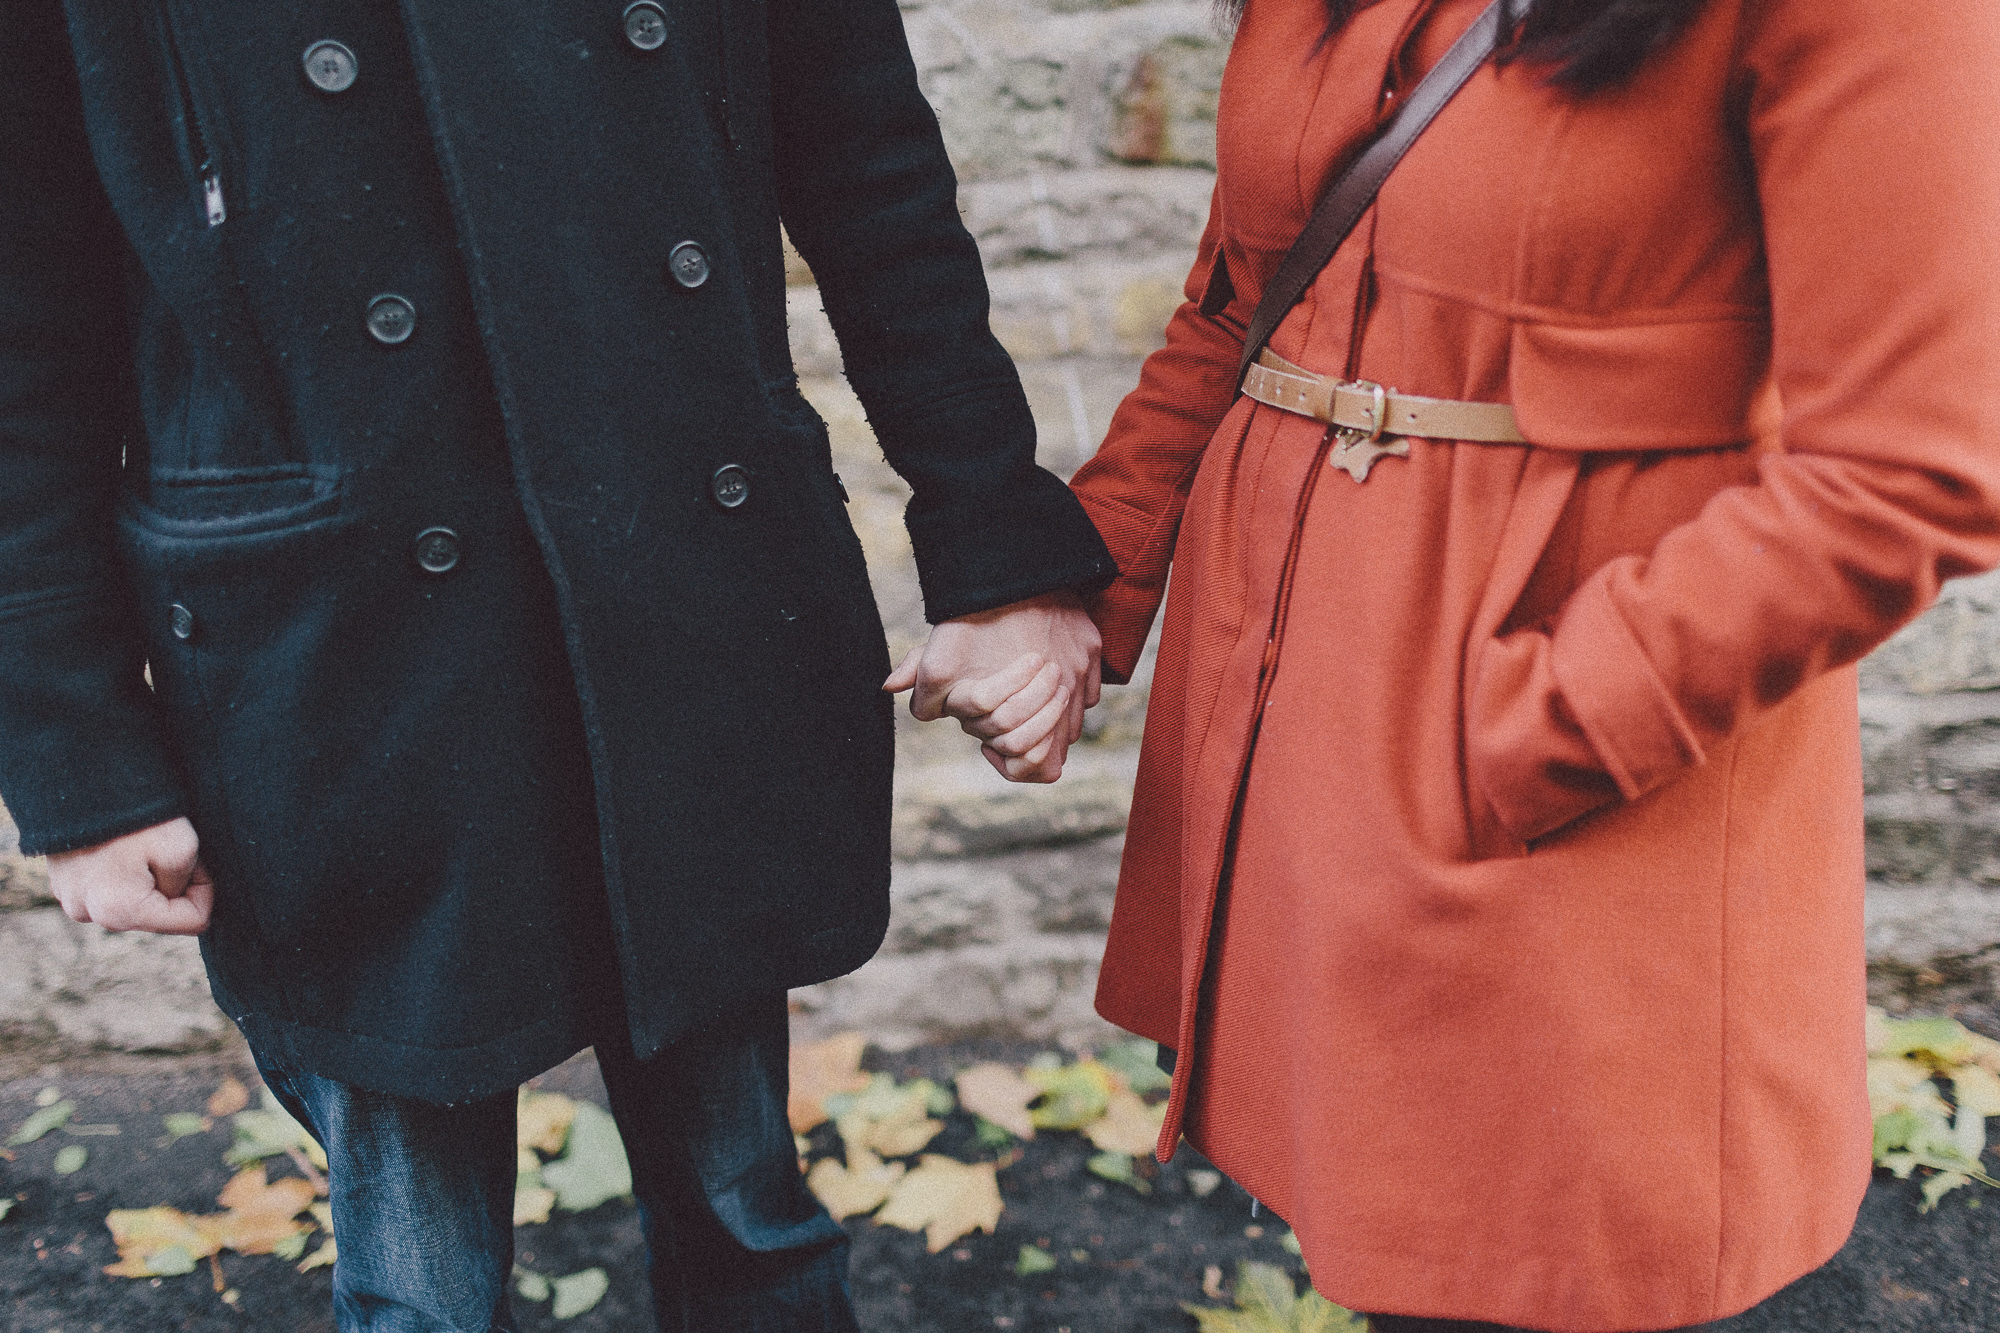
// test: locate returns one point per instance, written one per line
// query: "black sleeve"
(870, 199)
(83, 753)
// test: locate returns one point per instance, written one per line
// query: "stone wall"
(1084, 137)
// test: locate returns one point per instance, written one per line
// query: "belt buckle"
(1355, 450)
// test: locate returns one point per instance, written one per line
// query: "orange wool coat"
(1534, 984)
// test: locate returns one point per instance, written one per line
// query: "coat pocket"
(226, 502)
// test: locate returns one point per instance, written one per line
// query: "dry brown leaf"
(1129, 1125)
(1001, 1095)
(229, 1097)
(542, 1121)
(945, 1199)
(859, 1188)
(820, 1069)
(259, 1214)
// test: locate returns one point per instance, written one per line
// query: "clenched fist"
(152, 880)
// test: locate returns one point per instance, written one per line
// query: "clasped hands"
(1017, 678)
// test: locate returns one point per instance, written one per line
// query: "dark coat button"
(730, 485)
(391, 320)
(331, 67)
(646, 25)
(688, 263)
(181, 621)
(437, 550)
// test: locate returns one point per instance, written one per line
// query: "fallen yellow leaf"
(1129, 1125)
(820, 1069)
(945, 1199)
(532, 1204)
(1977, 1090)
(856, 1188)
(229, 1097)
(1001, 1095)
(542, 1121)
(142, 1234)
(258, 1214)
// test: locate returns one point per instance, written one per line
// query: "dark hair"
(1587, 45)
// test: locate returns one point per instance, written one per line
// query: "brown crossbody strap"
(1341, 207)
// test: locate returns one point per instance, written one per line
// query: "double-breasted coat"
(406, 385)
(1496, 864)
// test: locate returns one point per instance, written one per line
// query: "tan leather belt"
(1364, 413)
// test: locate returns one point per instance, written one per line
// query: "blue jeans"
(423, 1195)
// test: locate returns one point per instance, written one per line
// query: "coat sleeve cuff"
(974, 557)
(1617, 697)
(84, 755)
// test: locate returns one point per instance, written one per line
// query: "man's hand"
(151, 880)
(1018, 678)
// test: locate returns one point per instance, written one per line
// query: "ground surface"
(1125, 1261)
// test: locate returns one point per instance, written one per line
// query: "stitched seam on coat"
(1722, 1045)
(1526, 312)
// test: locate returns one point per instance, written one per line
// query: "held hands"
(1017, 678)
(151, 880)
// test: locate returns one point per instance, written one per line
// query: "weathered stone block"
(1115, 211)
(1165, 113)
(1953, 646)
(87, 987)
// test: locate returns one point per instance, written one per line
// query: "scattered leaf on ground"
(945, 1199)
(578, 1292)
(6, 1207)
(532, 1201)
(859, 1187)
(181, 1124)
(1033, 1260)
(1074, 1095)
(1266, 1303)
(1118, 1168)
(70, 1159)
(152, 1240)
(268, 1132)
(93, 1131)
(820, 1070)
(888, 1118)
(229, 1097)
(532, 1285)
(1203, 1183)
(1976, 1089)
(999, 1095)
(328, 1250)
(1129, 1125)
(258, 1216)
(594, 1170)
(52, 1115)
(542, 1121)
(1138, 1063)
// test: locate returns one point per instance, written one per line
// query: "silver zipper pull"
(211, 198)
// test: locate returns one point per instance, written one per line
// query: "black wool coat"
(417, 411)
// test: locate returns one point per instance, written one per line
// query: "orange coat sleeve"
(1871, 126)
(1136, 486)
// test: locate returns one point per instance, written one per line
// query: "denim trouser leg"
(423, 1195)
(735, 1240)
(423, 1205)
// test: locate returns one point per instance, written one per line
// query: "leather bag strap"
(1340, 208)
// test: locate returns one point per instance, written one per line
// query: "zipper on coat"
(213, 207)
